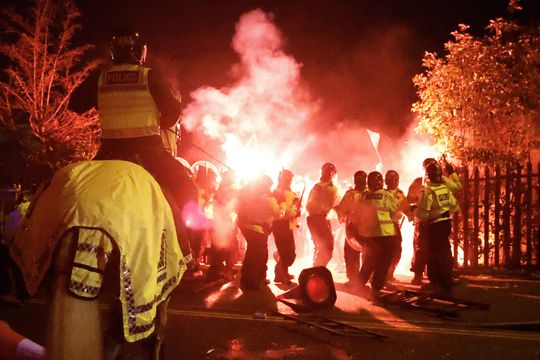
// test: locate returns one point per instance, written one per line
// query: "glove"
(449, 168)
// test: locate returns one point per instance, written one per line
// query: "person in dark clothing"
(135, 105)
(348, 212)
(257, 210)
(283, 227)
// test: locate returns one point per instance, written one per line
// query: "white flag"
(374, 138)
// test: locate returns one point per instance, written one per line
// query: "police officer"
(134, 104)
(391, 179)
(224, 232)
(256, 211)
(348, 212)
(322, 198)
(435, 207)
(452, 181)
(283, 227)
(377, 227)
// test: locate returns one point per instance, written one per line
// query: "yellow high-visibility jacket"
(378, 208)
(126, 107)
(106, 202)
(436, 203)
(322, 198)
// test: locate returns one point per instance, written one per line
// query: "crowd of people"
(372, 213)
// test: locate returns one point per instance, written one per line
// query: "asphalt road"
(219, 321)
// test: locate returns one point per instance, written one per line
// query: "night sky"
(358, 57)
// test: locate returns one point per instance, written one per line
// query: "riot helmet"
(360, 180)
(391, 179)
(285, 178)
(375, 181)
(127, 46)
(434, 173)
(428, 161)
(328, 170)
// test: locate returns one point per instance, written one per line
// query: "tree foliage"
(480, 102)
(44, 69)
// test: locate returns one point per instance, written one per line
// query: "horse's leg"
(74, 329)
(161, 327)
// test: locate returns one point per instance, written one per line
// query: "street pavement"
(218, 321)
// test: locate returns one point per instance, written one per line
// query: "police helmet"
(428, 161)
(391, 179)
(434, 173)
(285, 177)
(360, 179)
(375, 181)
(127, 46)
(328, 170)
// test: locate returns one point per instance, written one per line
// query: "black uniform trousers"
(395, 252)
(284, 238)
(255, 260)
(378, 256)
(440, 260)
(351, 256)
(420, 254)
(323, 240)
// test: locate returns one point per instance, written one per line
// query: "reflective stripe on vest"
(441, 202)
(126, 107)
(383, 214)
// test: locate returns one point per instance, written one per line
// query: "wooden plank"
(516, 243)
(487, 206)
(465, 212)
(496, 219)
(476, 217)
(529, 214)
(506, 216)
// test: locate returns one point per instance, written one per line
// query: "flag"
(374, 138)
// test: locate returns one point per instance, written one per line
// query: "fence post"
(496, 220)
(538, 215)
(516, 244)
(506, 216)
(486, 216)
(530, 210)
(465, 213)
(476, 217)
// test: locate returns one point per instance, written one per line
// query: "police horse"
(105, 233)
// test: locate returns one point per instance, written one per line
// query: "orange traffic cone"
(15, 346)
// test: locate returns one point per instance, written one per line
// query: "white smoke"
(266, 104)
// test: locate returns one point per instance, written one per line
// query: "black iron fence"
(499, 222)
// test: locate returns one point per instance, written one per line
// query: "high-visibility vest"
(257, 213)
(378, 208)
(322, 198)
(436, 203)
(289, 206)
(126, 107)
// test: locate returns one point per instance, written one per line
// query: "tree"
(480, 102)
(44, 69)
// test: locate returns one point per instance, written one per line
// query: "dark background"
(358, 56)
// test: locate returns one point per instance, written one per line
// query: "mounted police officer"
(135, 104)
